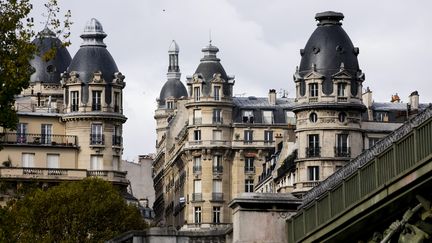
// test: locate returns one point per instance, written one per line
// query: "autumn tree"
(91, 210)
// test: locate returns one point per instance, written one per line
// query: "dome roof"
(49, 71)
(172, 88)
(209, 66)
(93, 55)
(328, 49)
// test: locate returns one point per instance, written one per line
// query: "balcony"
(60, 174)
(97, 139)
(96, 107)
(208, 143)
(117, 140)
(312, 152)
(342, 152)
(74, 107)
(342, 99)
(252, 143)
(33, 139)
(197, 169)
(217, 120)
(217, 196)
(313, 99)
(218, 169)
(197, 197)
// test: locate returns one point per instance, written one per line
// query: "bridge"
(361, 200)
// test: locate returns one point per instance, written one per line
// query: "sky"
(259, 43)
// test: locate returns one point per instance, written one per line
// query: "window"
(217, 164)
(248, 136)
(115, 163)
(21, 133)
(341, 89)
(217, 135)
(96, 162)
(373, 141)
(197, 194)
(197, 93)
(268, 117)
(96, 136)
(216, 215)
(116, 101)
(268, 136)
(313, 89)
(96, 100)
(117, 138)
(27, 159)
(342, 147)
(216, 92)
(197, 164)
(314, 149)
(217, 117)
(313, 173)
(170, 105)
(197, 135)
(381, 116)
(197, 215)
(46, 133)
(342, 117)
(248, 116)
(290, 117)
(197, 117)
(313, 117)
(249, 185)
(249, 164)
(53, 161)
(74, 101)
(217, 186)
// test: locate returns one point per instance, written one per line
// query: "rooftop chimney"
(272, 97)
(414, 100)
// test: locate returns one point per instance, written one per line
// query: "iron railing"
(117, 140)
(218, 169)
(37, 139)
(313, 152)
(97, 139)
(196, 197)
(217, 196)
(342, 152)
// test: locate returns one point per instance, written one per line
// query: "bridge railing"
(393, 156)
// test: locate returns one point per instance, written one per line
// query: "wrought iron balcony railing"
(249, 169)
(97, 139)
(197, 169)
(96, 107)
(196, 197)
(217, 196)
(218, 169)
(117, 140)
(37, 139)
(313, 152)
(342, 151)
(197, 120)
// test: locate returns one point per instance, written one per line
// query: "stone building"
(210, 144)
(70, 116)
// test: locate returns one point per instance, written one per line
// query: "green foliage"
(15, 53)
(91, 210)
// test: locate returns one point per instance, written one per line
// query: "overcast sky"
(259, 43)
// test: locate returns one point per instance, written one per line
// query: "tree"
(90, 210)
(16, 50)
(15, 54)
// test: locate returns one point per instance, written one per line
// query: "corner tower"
(329, 104)
(93, 92)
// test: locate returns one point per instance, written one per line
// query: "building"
(212, 146)
(70, 117)
(336, 118)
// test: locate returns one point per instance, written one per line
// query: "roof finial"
(210, 37)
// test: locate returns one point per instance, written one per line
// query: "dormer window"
(268, 117)
(313, 90)
(341, 89)
(197, 93)
(74, 101)
(116, 101)
(170, 105)
(96, 100)
(290, 117)
(248, 116)
(216, 92)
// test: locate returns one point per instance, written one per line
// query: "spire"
(93, 34)
(173, 67)
(210, 52)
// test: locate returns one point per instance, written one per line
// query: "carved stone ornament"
(196, 78)
(217, 78)
(97, 77)
(118, 78)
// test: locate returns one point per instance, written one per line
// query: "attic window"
(248, 116)
(50, 69)
(170, 105)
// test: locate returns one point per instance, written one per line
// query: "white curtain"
(53, 161)
(217, 186)
(27, 160)
(197, 186)
(96, 162)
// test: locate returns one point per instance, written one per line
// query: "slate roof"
(258, 105)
